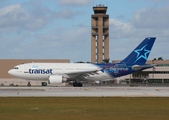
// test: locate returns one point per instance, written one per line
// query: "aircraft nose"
(10, 72)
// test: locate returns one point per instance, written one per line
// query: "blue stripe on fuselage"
(116, 70)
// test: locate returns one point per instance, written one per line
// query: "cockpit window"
(16, 68)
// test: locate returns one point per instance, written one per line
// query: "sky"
(61, 29)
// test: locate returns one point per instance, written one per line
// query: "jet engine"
(55, 79)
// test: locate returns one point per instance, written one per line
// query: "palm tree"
(154, 59)
(160, 58)
(106, 60)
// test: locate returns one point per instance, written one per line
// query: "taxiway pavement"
(84, 91)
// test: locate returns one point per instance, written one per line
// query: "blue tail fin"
(140, 54)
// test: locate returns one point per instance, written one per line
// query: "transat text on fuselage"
(40, 71)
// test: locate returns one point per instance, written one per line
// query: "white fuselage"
(68, 71)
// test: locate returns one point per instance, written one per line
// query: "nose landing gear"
(29, 84)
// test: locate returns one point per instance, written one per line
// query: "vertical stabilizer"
(140, 54)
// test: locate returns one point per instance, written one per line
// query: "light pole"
(153, 70)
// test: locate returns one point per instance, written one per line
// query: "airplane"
(56, 73)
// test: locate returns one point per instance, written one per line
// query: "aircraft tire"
(79, 84)
(75, 84)
(29, 84)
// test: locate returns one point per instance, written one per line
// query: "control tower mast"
(99, 34)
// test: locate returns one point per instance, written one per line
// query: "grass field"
(84, 108)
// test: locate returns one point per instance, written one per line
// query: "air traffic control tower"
(99, 34)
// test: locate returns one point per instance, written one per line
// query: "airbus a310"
(77, 72)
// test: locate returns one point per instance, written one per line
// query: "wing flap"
(79, 73)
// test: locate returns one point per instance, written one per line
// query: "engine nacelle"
(55, 79)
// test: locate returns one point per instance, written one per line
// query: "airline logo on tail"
(142, 53)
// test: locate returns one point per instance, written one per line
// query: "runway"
(84, 91)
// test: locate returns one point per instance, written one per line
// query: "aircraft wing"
(79, 73)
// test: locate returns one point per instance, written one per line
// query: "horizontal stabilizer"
(140, 67)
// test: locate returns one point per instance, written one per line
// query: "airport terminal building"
(158, 74)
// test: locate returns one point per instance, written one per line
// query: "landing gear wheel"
(29, 84)
(79, 84)
(75, 84)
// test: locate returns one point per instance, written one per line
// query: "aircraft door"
(64, 69)
(26, 69)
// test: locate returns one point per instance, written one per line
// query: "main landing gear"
(77, 84)
(29, 84)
